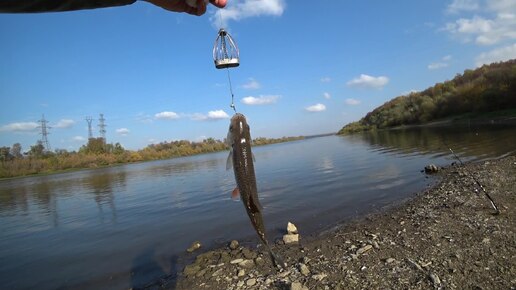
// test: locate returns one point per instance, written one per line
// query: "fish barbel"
(241, 158)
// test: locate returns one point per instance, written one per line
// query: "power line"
(44, 132)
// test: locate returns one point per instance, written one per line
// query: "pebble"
(297, 286)
(390, 260)
(291, 228)
(435, 279)
(218, 272)
(304, 269)
(364, 249)
(240, 283)
(247, 264)
(233, 245)
(241, 273)
(236, 261)
(290, 238)
(195, 246)
(319, 277)
(250, 282)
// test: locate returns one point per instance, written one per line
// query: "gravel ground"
(446, 237)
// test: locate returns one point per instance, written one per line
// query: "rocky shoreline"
(446, 237)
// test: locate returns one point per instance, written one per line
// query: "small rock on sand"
(291, 228)
(297, 286)
(364, 249)
(195, 246)
(233, 245)
(250, 282)
(304, 269)
(290, 238)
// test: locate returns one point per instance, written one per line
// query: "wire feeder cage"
(225, 51)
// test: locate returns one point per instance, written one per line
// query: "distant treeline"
(96, 153)
(486, 89)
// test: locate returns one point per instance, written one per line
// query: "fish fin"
(235, 193)
(229, 161)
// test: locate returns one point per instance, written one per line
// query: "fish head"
(238, 129)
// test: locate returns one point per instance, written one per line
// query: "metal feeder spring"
(225, 51)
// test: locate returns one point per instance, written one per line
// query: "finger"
(201, 7)
(219, 3)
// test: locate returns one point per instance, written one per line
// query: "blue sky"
(307, 67)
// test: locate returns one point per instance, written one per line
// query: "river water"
(125, 226)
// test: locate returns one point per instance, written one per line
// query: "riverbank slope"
(444, 238)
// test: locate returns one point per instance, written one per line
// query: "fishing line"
(232, 105)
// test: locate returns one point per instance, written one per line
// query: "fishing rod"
(493, 204)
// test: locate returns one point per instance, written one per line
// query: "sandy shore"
(446, 237)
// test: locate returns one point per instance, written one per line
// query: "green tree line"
(486, 89)
(96, 153)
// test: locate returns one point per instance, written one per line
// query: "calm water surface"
(125, 226)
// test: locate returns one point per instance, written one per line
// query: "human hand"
(182, 6)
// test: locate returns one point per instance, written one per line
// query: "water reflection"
(477, 141)
(101, 186)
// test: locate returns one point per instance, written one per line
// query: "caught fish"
(241, 158)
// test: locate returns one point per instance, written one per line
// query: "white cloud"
(463, 5)
(211, 116)
(327, 95)
(437, 65)
(78, 139)
(64, 123)
(495, 55)
(316, 108)
(218, 114)
(238, 10)
(251, 85)
(494, 23)
(19, 127)
(440, 64)
(122, 131)
(352, 102)
(366, 81)
(261, 100)
(167, 115)
(325, 79)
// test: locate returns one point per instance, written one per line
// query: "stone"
(195, 246)
(319, 277)
(259, 261)
(250, 282)
(240, 283)
(389, 260)
(291, 238)
(297, 286)
(233, 245)
(291, 228)
(435, 279)
(247, 264)
(218, 272)
(431, 168)
(236, 261)
(241, 273)
(304, 269)
(364, 249)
